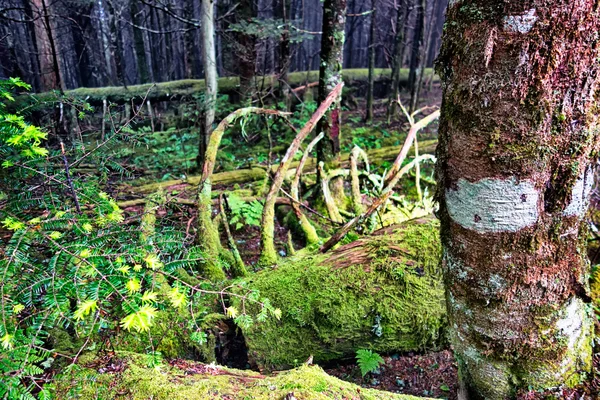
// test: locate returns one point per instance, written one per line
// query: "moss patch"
(383, 292)
(198, 381)
(187, 87)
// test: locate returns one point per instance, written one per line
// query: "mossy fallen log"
(257, 173)
(383, 292)
(127, 376)
(173, 90)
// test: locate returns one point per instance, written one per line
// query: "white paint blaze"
(580, 195)
(493, 205)
(520, 23)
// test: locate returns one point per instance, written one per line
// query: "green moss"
(185, 87)
(138, 381)
(332, 305)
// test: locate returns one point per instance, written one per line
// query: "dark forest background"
(65, 44)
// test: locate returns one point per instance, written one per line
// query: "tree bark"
(518, 138)
(246, 51)
(330, 75)
(397, 56)
(372, 40)
(210, 76)
(416, 59)
(282, 10)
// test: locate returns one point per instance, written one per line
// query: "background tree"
(397, 55)
(123, 42)
(518, 139)
(209, 60)
(416, 57)
(330, 75)
(372, 44)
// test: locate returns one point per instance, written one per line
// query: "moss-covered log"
(382, 292)
(198, 381)
(164, 91)
(257, 173)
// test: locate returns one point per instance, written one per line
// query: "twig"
(394, 175)
(309, 230)
(69, 180)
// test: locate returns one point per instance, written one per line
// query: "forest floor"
(433, 373)
(169, 154)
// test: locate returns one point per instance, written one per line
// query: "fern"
(244, 213)
(86, 271)
(368, 361)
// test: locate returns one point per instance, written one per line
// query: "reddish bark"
(518, 114)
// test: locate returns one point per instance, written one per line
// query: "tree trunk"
(246, 51)
(330, 75)
(518, 138)
(372, 40)
(282, 10)
(397, 56)
(416, 59)
(210, 75)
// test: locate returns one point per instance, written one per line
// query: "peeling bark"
(518, 134)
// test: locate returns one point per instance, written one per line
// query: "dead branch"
(268, 255)
(394, 175)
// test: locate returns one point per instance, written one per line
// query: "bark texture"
(518, 134)
(397, 56)
(210, 75)
(330, 75)
(372, 45)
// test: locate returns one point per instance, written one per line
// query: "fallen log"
(173, 90)
(281, 201)
(383, 292)
(257, 173)
(127, 375)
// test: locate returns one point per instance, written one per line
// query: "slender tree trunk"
(48, 38)
(210, 75)
(518, 138)
(372, 40)
(247, 51)
(425, 55)
(416, 60)
(282, 10)
(330, 75)
(397, 56)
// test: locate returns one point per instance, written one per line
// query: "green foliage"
(84, 273)
(385, 294)
(368, 361)
(17, 137)
(244, 213)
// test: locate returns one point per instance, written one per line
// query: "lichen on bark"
(519, 124)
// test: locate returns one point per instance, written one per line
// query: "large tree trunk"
(210, 75)
(518, 137)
